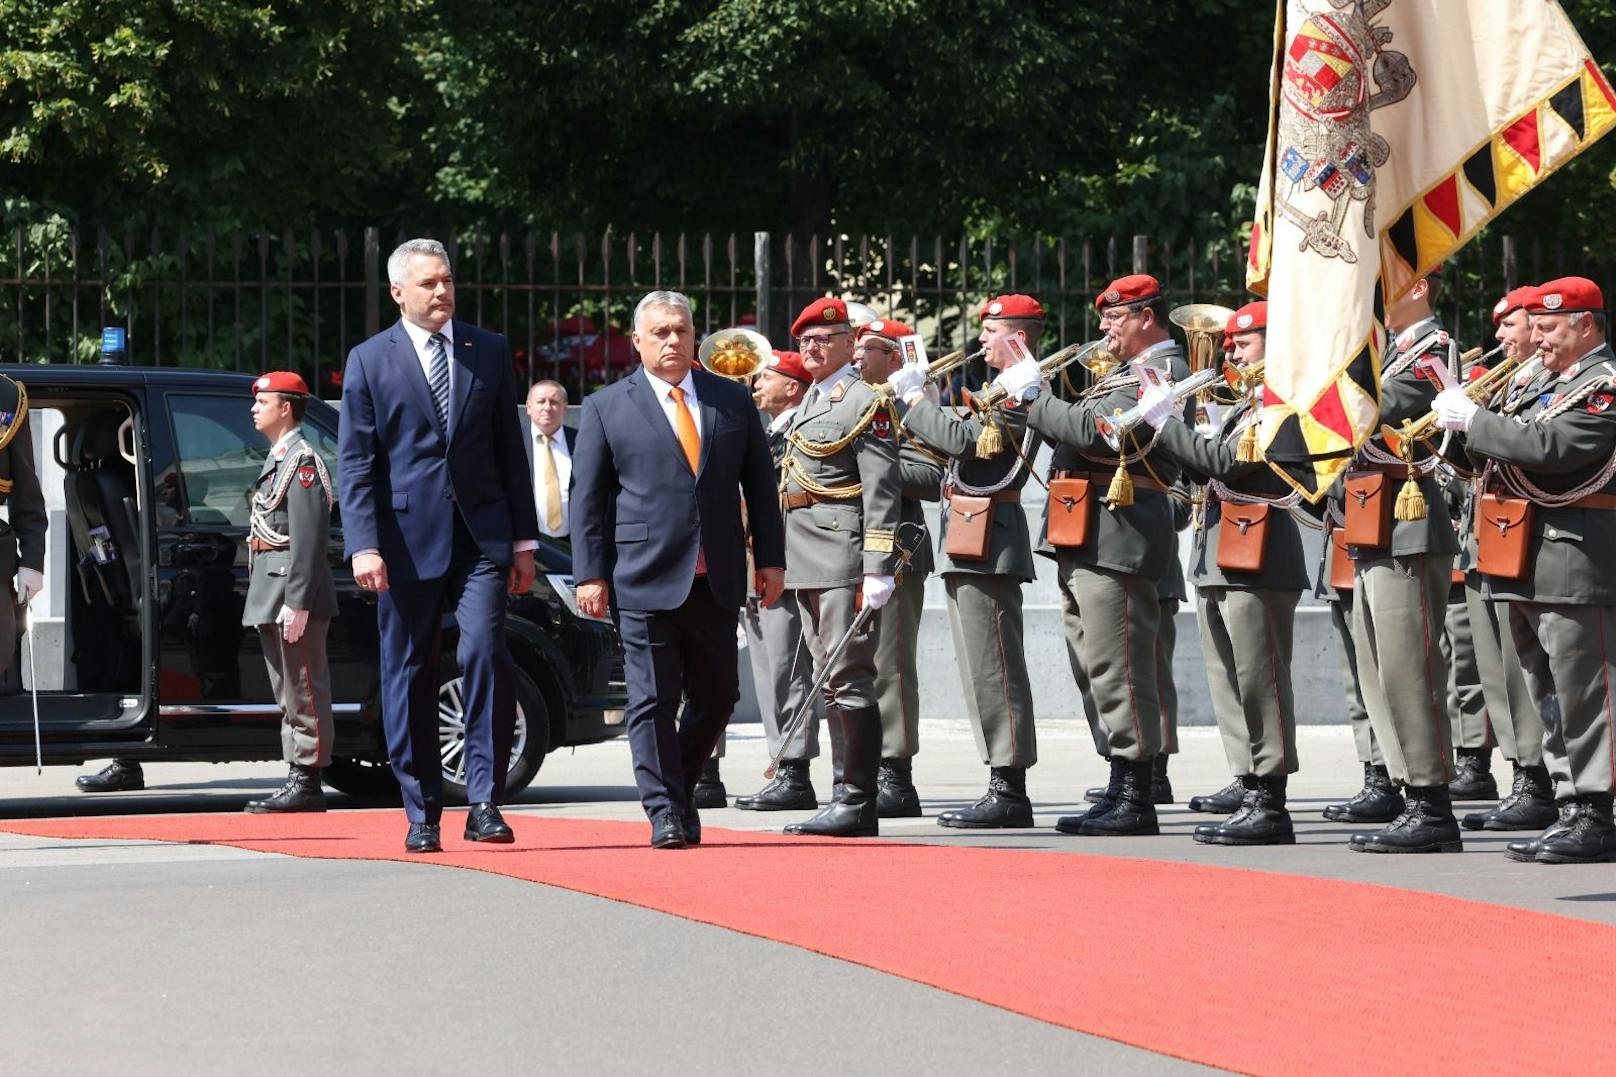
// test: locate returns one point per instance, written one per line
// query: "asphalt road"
(136, 958)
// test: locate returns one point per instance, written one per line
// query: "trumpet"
(1115, 427)
(1092, 355)
(1481, 390)
(735, 353)
(1246, 378)
(938, 368)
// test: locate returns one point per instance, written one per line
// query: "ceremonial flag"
(1399, 128)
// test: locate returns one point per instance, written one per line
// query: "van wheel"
(529, 743)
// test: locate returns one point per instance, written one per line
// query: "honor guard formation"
(1469, 563)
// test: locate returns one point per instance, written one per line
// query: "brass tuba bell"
(1202, 323)
(735, 353)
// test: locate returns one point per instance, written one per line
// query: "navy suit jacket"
(638, 514)
(402, 480)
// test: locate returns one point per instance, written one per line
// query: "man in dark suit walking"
(656, 536)
(437, 509)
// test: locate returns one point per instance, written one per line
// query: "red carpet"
(1251, 986)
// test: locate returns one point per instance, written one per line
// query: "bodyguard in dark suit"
(437, 505)
(656, 535)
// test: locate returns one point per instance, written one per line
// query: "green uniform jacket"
(291, 502)
(22, 540)
(1009, 544)
(1573, 555)
(1139, 539)
(1215, 458)
(836, 543)
(1408, 396)
(920, 479)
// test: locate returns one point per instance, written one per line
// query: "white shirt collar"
(1414, 332)
(419, 335)
(781, 421)
(848, 372)
(557, 439)
(278, 450)
(662, 388)
(1160, 346)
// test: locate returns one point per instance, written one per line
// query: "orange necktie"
(685, 427)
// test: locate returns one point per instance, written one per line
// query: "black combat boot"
(896, 797)
(118, 776)
(1161, 787)
(1104, 794)
(1224, 801)
(1526, 851)
(300, 793)
(854, 813)
(1003, 806)
(1529, 806)
(1377, 802)
(1590, 839)
(1260, 820)
(1132, 813)
(789, 790)
(1473, 775)
(709, 791)
(1427, 825)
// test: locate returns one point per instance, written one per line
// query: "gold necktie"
(685, 427)
(552, 487)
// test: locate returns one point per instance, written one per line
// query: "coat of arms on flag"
(1399, 129)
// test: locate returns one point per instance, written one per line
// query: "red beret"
(790, 365)
(281, 381)
(1513, 301)
(1134, 288)
(827, 311)
(886, 330)
(1566, 296)
(1012, 306)
(1247, 319)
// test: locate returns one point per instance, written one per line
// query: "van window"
(220, 455)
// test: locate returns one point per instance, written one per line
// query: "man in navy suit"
(656, 536)
(437, 511)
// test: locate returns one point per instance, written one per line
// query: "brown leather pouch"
(1341, 569)
(1369, 509)
(1242, 536)
(1503, 535)
(1071, 511)
(970, 526)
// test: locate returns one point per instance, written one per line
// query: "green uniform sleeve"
(308, 528)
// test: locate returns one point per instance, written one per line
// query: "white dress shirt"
(782, 420)
(664, 393)
(563, 462)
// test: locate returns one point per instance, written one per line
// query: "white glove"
(907, 379)
(292, 623)
(29, 582)
(931, 392)
(1455, 410)
(1158, 405)
(877, 589)
(1020, 381)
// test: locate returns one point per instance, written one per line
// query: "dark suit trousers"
(410, 617)
(686, 653)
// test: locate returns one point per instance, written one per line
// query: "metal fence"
(300, 299)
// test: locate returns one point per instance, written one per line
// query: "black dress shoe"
(710, 791)
(423, 838)
(668, 832)
(118, 776)
(1473, 775)
(1224, 801)
(790, 790)
(692, 825)
(484, 823)
(1377, 802)
(1004, 806)
(1427, 825)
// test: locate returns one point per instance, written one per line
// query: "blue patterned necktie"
(439, 378)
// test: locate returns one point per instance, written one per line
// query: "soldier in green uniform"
(1402, 574)
(897, 675)
(1247, 568)
(839, 488)
(22, 532)
(1473, 741)
(987, 558)
(1550, 477)
(782, 668)
(1110, 558)
(1513, 716)
(290, 596)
